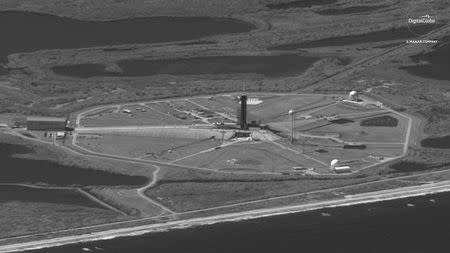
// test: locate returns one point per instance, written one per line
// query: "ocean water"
(418, 224)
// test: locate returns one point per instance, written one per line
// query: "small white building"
(342, 169)
(60, 135)
(339, 169)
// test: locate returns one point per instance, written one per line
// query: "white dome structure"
(353, 95)
(333, 163)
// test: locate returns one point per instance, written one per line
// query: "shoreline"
(349, 200)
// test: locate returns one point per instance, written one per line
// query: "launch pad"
(268, 133)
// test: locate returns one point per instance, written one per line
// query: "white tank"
(353, 95)
(333, 163)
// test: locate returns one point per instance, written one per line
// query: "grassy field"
(220, 104)
(356, 158)
(354, 132)
(195, 195)
(344, 109)
(276, 107)
(171, 144)
(126, 200)
(184, 190)
(258, 157)
(19, 218)
(141, 146)
(137, 117)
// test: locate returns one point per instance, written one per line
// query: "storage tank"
(333, 164)
(342, 169)
(353, 95)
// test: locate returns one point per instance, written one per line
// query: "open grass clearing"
(261, 157)
(127, 200)
(19, 218)
(221, 104)
(345, 109)
(275, 106)
(354, 132)
(134, 118)
(196, 195)
(150, 147)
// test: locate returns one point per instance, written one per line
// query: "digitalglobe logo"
(426, 19)
(420, 26)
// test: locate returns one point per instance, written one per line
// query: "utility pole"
(291, 115)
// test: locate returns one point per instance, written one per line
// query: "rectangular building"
(46, 123)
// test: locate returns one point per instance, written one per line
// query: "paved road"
(141, 191)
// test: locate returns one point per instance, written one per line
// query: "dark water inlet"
(56, 196)
(349, 10)
(300, 4)
(413, 225)
(436, 142)
(270, 66)
(386, 35)
(413, 166)
(390, 45)
(84, 70)
(26, 31)
(20, 170)
(437, 64)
